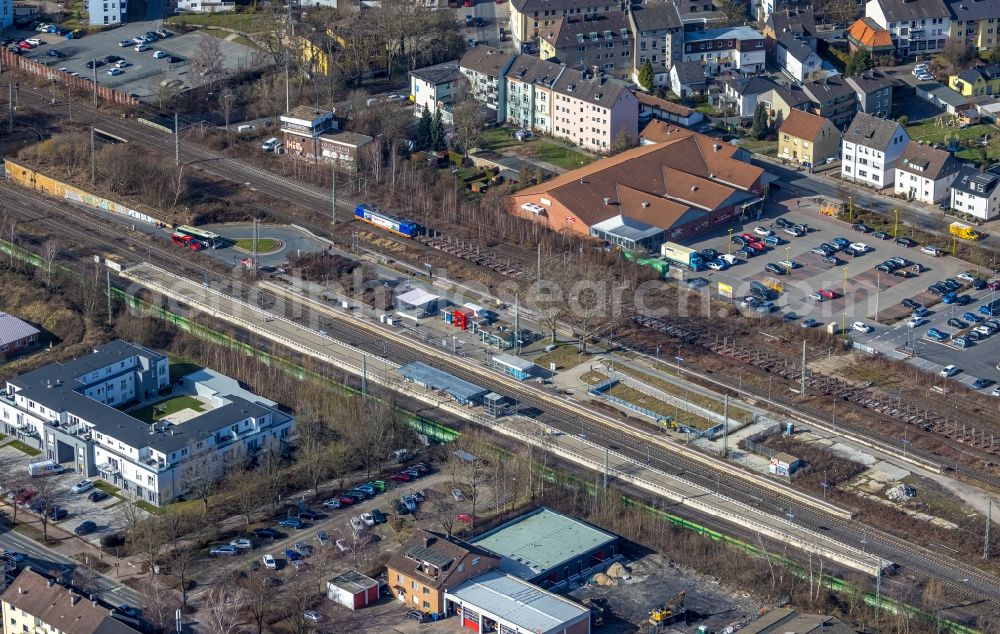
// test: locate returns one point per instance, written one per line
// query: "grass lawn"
(706, 109)
(149, 508)
(565, 356)
(264, 245)
(715, 406)
(245, 22)
(675, 412)
(558, 153)
(23, 448)
(929, 132)
(166, 407)
(110, 489)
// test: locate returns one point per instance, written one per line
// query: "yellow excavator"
(672, 610)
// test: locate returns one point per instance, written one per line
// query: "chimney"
(74, 599)
(716, 147)
(51, 582)
(428, 540)
(606, 201)
(645, 204)
(20, 590)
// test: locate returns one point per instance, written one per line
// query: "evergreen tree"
(424, 130)
(646, 76)
(759, 126)
(437, 132)
(858, 63)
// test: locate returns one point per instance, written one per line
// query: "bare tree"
(468, 124)
(244, 492)
(8, 229)
(226, 102)
(546, 299)
(222, 608)
(180, 185)
(160, 605)
(48, 496)
(734, 10)
(129, 514)
(49, 252)
(591, 300)
(207, 59)
(260, 603)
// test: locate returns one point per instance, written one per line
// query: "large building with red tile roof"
(678, 185)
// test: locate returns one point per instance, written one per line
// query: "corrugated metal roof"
(432, 378)
(519, 602)
(13, 329)
(511, 361)
(417, 297)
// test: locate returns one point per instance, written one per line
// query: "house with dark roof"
(975, 22)
(808, 139)
(429, 563)
(781, 100)
(738, 48)
(977, 81)
(867, 34)
(976, 193)
(435, 87)
(36, 603)
(916, 27)
(484, 67)
(767, 9)
(797, 57)
(743, 93)
(680, 185)
(580, 105)
(870, 150)
(99, 413)
(658, 37)
(577, 42)
(873, 91)
(798, 22)
(530, 18)
(925, 173)
(16, 336)
(687, 79)
(833, 98)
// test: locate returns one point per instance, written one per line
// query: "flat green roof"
(540, 541)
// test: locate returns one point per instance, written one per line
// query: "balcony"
(108, 470)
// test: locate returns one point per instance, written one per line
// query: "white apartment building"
(103, 12)
(581, 106)
(200, 6)
(870, 150)
(732, 48)
(435, 87)
(976, 193)
(924, 173)
(917, 27)
(76, 413)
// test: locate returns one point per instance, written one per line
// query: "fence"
(600, 391)
(10, 60)
(754, 442)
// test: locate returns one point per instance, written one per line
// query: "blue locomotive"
(383, 220)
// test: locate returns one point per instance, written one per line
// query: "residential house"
(435, 87)
(593, 111)
(769, 8)
(808, 139)
(683, 184)
(72, 413)
(652, 107)
(658, 35)
(917, 27)
(743, 93)
(687, 79)
(343, 148)
(36, 603)
(832, 98)
(428, 564)
(871, 149)
(925, 173)
(16, 336)
(978, 81)
(603, 41)
(797, 58)
(302, 127)
(944, 97)
(106, 12)
(977, 22)
(976, 193)
(873, 92)
(201, 6)
(587, 108)
(866, 34)
(484, 67)
(781, 100)
(530, 18)
(798, 22)
(739, 48)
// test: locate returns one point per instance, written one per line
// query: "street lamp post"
(730, 251)
(895, 228)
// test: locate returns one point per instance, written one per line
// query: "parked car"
(948, 371)
(160, 54)
(762, 231)
(368, 519)
(267, 533)
(128, 610)
(269, 562)
(126, 43)
(881, 235)
(55, 54)
(308, 514)
(241, 543)
(457, 494)
(223, 549)
(291, 555)
(827, 293)
(717, 265)
(955, 322)
(83, 485)
(115, 71)
(323, 538)
(332, 503)
(303, 549)
(859, 247)
(792, 231)
(312, 615)
(378, 516)
(862, 227)
(400, 477)
(417, 615)
(906, 242)
(909, 303)
(972, 317)
(932, 251)
(771, 267)
(85, 528)
(58, 513)
(98, 495)
(292, 522)
(409, 503)
(937, 335)
(861, 326)
(981, 383)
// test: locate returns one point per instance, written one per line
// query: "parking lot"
(80, 509)
(493, 16)
(144, 74)
(856, 291)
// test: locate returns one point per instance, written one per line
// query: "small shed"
(352, 590)
(496, 405)
(784, 464)
(417, 303)
(516, 367)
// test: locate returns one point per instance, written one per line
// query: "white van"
(243, 128)
(272, 145)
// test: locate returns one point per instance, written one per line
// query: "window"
(475, 562)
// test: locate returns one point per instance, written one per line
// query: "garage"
(352, 590)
